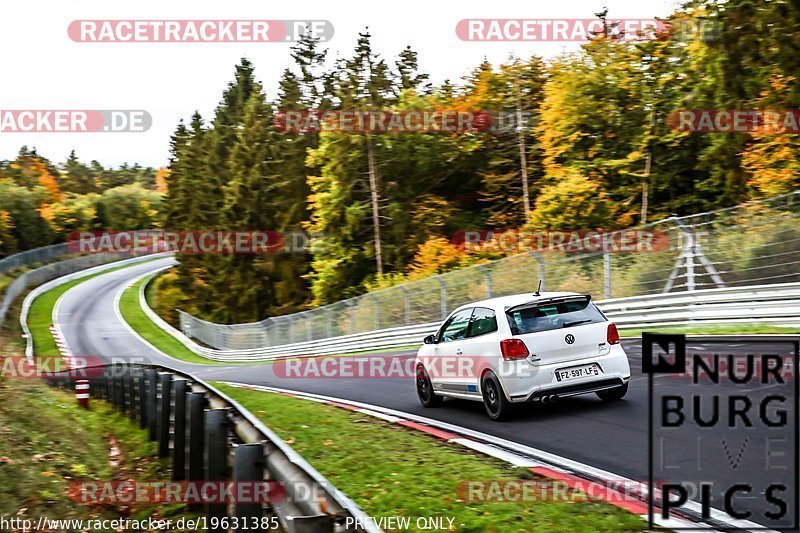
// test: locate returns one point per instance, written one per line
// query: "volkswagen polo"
(525, 348)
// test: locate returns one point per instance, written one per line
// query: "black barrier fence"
(211, 438)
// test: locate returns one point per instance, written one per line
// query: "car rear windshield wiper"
(575, 323)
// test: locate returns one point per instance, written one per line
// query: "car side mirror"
(430, 339)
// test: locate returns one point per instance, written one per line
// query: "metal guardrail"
(775, 304)
(43, 274)
(756, 243)
(33, 256)
(210, 437)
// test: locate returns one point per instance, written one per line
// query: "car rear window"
(548, 316)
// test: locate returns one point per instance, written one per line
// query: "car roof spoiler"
(550, 301)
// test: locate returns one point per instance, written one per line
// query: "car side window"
(483, 321)
(456, 327)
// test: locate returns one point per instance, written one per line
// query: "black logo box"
(676, 364)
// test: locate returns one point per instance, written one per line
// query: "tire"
(494, 399)
(611, 395)
(425, 389)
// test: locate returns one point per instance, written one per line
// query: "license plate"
(576, 372)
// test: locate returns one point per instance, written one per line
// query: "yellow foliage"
(772, 159)
(435, 256)
(161, 180)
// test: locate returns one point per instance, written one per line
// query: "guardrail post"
(164, 409)
(142, 401)
(120, 385)
(216, 422)
(179, 436)
(152, 402)
(249, 467)
(132, 399)
(99, 383)
(197, 437)
(111, 387)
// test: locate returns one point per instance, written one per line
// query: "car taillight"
(513, 349)
(613, 335)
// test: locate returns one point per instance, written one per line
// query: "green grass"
(711, 329)
(136, 318)
(40, 314)
(48, 443)
(390, 470)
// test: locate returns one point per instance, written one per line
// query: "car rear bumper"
(575, 389)
(543, 384)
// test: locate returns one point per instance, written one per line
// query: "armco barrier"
(43, 274)
(777, 304)
(210, 437)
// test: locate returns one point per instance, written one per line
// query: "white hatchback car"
(522, 348)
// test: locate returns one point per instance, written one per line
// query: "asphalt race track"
(612, 436)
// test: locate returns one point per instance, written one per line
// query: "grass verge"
(136, 318)
(393, 471)
(48, 443)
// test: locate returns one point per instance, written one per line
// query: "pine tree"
(77, 177)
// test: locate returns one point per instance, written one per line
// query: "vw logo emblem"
(570, 338)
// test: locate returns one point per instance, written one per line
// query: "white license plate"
(577, 372)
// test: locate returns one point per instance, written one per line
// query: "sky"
(44, 69)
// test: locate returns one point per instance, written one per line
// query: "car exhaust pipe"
(545, 399)
(553, 398)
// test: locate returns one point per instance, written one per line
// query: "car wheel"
(610, 395)
(494, 399)
(425, 389)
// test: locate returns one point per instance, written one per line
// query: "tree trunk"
(646, 186)
(373, 193)
(523, 158)
(647, 162)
